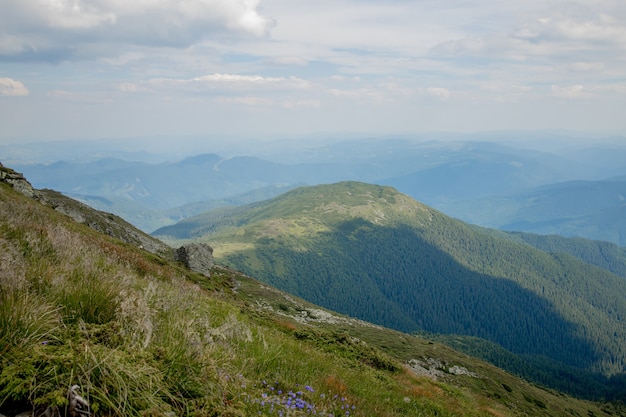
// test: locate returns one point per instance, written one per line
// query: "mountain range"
(507, 186)
(91, 322)
(373, 253)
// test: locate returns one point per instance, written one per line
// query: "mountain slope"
(603, 254)
(141, 336)
(590, 209)
(373, 253)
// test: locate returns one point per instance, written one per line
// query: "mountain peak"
(332, 203)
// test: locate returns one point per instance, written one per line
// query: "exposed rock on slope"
(103, 222)
(196, 256)
(17, 181)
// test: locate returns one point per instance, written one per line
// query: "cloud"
(80, 97)
(254, 101)
(132, 88)
(438, 92)
(582, 66)
(124, 59)
(569, 92)
(10, 87)
(360, 94)
(35, 27)
(287, 61)
(233, 82)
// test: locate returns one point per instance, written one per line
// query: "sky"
(93, 69)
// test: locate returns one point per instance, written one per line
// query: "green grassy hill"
(370, 252)
(142, 336)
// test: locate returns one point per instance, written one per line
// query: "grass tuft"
(25, 319)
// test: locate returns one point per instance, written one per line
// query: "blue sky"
(86, 69)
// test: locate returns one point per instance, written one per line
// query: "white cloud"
(438, 92)
(132, 88)
(582, 66)
(255, 101)
(10, 87)
(569, 92)
(233, 82)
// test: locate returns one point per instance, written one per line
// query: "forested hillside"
(595, 252)
(373, 253)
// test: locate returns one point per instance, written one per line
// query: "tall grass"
(26, 319)
(88, 296)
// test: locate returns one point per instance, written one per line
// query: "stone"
(17, 181)
(196, 256)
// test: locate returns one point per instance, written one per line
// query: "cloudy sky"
(80, 69)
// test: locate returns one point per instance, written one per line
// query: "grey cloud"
(39, 29)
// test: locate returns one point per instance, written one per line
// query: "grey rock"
(17, 181)
(196, 256)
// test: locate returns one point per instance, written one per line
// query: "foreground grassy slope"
(373, 253)
(143, 337)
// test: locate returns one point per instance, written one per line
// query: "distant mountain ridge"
(486, 183)
(373, 253)
(591, 209)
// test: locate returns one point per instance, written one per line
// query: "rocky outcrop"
(106, 223)
(437, 369)
(17, 181)
(196, 256)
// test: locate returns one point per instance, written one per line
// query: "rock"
(196, 256)
(77, 405)
(461, 370)
(17, 181)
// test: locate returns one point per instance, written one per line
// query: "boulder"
(17, 181)
(196, 256)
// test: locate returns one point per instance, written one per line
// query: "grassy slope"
(320, 225)
(142, 336)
